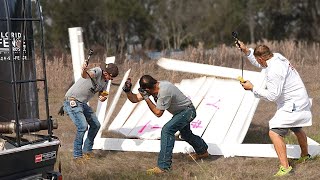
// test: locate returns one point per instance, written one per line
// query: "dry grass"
(132, 165)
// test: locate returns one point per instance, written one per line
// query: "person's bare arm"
(145, 95)
(85, 73)
(134, 98)
(154, 108)
(243, 47)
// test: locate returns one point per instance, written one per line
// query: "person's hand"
(104, 93)
(240, 45)
(61, 111)
(127, 86)
(84, 67)
(144, 93)
(247, 85)
(103, 98)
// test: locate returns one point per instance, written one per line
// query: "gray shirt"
(171, 98)
(84, 89)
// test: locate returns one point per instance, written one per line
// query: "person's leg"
(302, 140)
(177, 122)
(195, 141)
(78, 118)
(280, 148)
(94, 126)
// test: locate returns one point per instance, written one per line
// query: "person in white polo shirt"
(285, 87)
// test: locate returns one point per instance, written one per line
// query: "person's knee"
(300, 134)
(98, 125)
(167, 130)
(279, 131)
(82, 127)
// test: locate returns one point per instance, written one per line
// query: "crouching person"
(168, 97)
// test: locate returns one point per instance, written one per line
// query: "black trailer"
(28, 148)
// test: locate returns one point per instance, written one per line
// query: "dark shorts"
(284, 131)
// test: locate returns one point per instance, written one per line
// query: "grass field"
(132, 165)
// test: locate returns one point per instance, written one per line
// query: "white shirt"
(285, 87)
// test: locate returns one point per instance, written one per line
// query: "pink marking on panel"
(214, 104)
(144, 127)
(196, 124)
(155, 127)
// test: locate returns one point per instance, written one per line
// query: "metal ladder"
(21, 21)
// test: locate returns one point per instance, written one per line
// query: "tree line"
(159, 25)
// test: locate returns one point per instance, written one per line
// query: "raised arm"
(134, 98)
(249, 53)
(85, 73)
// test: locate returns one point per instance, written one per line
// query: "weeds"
(132, 165)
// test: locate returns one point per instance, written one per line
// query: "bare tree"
(314, 10)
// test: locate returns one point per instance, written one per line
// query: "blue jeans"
(82, 115)
(179, 122)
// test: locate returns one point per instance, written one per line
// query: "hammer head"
(235, 35)
(90, 52)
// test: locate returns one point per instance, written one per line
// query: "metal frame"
(15, 83)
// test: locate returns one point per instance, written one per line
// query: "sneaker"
(88, 155)
(195, 156)
(283, 171)
(303, 159)
(155, 170)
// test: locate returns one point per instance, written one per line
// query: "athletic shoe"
(195, 156)
(303, 159)
(283, 171)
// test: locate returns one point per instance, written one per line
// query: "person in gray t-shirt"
(93, 81)
(168, 97)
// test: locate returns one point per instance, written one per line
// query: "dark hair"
(110, 68)
(147, 81)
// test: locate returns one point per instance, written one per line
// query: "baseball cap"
(110, 68)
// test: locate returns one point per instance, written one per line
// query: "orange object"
(104, 93)
(241, 79)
